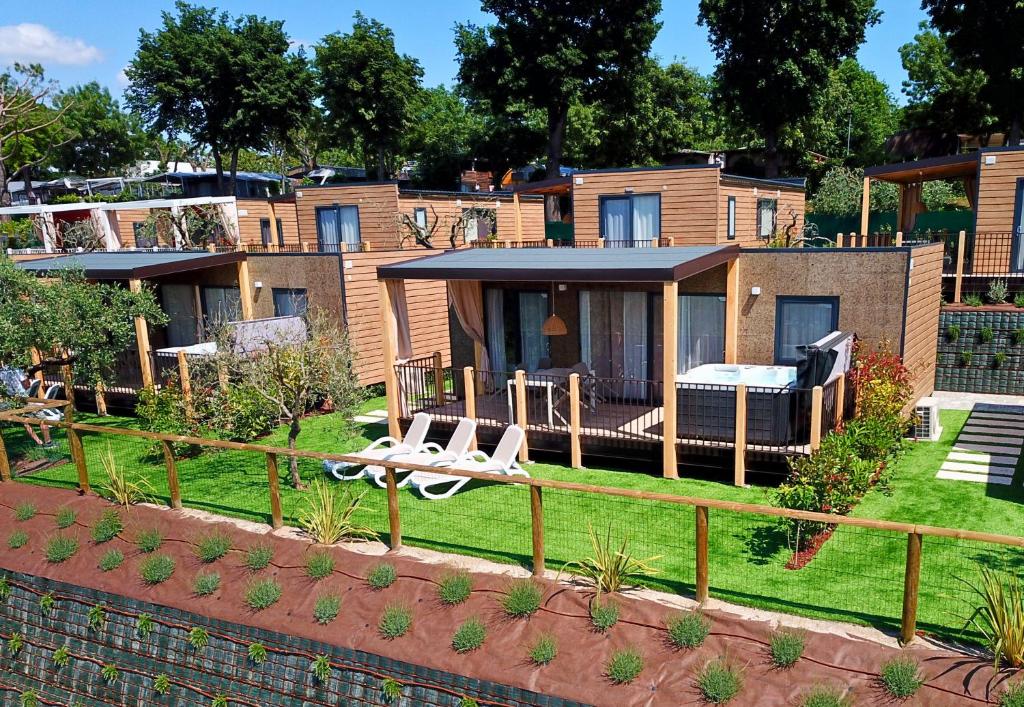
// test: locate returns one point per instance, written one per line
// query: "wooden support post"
(245, 290)
(655, 242)
(816, 405)
(961, 245)
(899, 239)
(911, 584)
(222, 377)
(600, 242)
(69, 383)
(732, 311)
(101, 399)
(172, 474)
(469, 383)
(5, 462)
(186, 383)
(389, 329)
(519, 216)
(670, 351)
(840, 240)
(77, 451)
(702, 554)
(274, 484)
(865, 206)
(549, 243)
(142, 340)
(394, 519)
(439, 394)
(671, 241)
(521, 419)
(840, 399)
(305, 247)
(537, 524)
(36, 360)
(740, 438)
(478, 364)
(576, 452)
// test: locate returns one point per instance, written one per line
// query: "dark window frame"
(280, 232)
(337, 209)
(265, 235)
(601, 199)
(730, 218)
(291, 292)
(781, 301)
(416, 214)
(775, 215)
(143, 243)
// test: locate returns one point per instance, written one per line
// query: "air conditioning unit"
(926, 420)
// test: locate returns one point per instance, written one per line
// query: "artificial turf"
(856, 576)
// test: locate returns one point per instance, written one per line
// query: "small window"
(766, 210)
(626, 220)
(420, 216)
(289, 302)
(280, 233)
(221, 304)
(265, 231)
(142, 239)
(335, 225)
(800, 321)
(730, 228)
(479, 226)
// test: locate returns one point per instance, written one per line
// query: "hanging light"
(553, 325)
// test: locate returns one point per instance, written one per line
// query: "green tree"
(988, 36)
(368, 89)
(105, 139)
(441, 137)
(549, 54)
(774, 56)
(841, 189)
(228, 83)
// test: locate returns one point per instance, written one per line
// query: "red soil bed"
(800, 558)
(577, 673)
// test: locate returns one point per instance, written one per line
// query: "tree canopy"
(104, 139)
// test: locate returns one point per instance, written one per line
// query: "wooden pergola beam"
(389, 324)
(865, 206)
(732, 311)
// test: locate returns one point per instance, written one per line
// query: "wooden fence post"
(840, 399)
(394, 519)
(576, 452)
(961, 245)
(439, 394)
(702, 554)
(172, 474)
(537, 524)
(77, 452)
(5, 462)
(274, 482)
(549, 243)
(524, 450)
(816, 400)
(469, 383)
(101, 399)
(186, 383)
(911, 584)
(740, 437)
(600, 242)
(899, 239)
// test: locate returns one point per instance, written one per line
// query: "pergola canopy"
(566, 264)
(135, 265)
(948, 167)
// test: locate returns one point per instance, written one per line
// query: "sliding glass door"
(626, 220)
(701, 330)
(615, 339)
(335, 225)
(514, 320)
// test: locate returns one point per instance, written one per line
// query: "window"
(730, 227)
(766, 209)
(800, 321)
(280, 233)
(616, 338)
(513, 322)
(628, 219)
(335, 225)
(477, 224)
(221, 304)
(143, 239)
(265, 231)
(289, 302)
(701, 330)
(420, 217)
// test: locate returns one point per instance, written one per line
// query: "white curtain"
(646, 217)
(802, 323)
(533, 310)
(495, 303)
(766, 217)
(634, 342)
(701, 331)
(327, 228)
(349, 223)
(615, 219)
(586, 353)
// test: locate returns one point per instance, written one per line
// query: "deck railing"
(663, 242)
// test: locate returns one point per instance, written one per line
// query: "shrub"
(156, 569)
(998, 292)
(395, 621)
(149, 540)
(319, 565)
(107, 527)
(1012, 695)
(544, 650)
(688, 629)
(881, 383)
(165, 410)
(1000, 618)
(382, 576)
(603, 614)
(624, 666)
(61, 657)
(719, 681)
(120, 487)
(1018, 300)
(786, 648)
(455, 587)
(111, 560)
(262, 593)
(257, 653)
(162, 684)
(391, 689)
(1018, 335)
(953, 332)
(60, 548)
(873, 439)
(205, 583)
(66, 517)
(17, 539)
(986, 335)
(258, 557)
(999, 359)
(901, 677)
(972, 300)
(15, 642)
(609, 568)
(328, 514)
(144, 625)
(198, 638)
(212, 546)
(965, 358)
(321, 667)
(109, 673)
(522, 598)
(326, 608)
(469, 636)
(46, 604)
(25, 511)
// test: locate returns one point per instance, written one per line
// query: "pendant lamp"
(553, 325)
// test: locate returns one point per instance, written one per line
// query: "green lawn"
(857, 575)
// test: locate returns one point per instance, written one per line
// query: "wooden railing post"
(101, 399)
(600, 242)
(961, 245)
(740, 437)
(521, 420)
(549, 243)
(394, 519)
(172, 474)
(537, 523)
(439, 394)
(671, 241)
(911, 584)
(5, 462)
(816, 404)
(899, 239)
(840, 399)
(702, 554)
(186, 383)
(76, 449)
(576, 452)
(274, 482)
(469, 383)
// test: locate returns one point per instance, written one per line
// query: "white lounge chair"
(53, 392)
(381, 449)
(436, 485)
(431, 454)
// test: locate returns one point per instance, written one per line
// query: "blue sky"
(78, 42)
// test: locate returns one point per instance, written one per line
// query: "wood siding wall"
(125, 228)
(689, 201)
(447, 208)
(921, 328)
(790, 204)
(250, 212)
(378, 205)
(315, 273)
(997, 190)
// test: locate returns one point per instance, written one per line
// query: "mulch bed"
(801, 557)
(668, 677)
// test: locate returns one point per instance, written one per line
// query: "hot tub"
(725, 374)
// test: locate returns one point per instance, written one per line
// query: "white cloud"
(30, 43)
(122, 79)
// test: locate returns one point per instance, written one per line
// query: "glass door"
(1017, 259)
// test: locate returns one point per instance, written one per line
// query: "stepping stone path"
(374, 417)
(988, 447)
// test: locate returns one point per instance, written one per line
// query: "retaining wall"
(984, 373)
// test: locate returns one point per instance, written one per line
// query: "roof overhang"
(556, 185)
(34, 209)
(135, 265)
(948, 167)
(563, 264)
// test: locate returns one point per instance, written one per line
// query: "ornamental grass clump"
(119, 486)
(543, 650)
(327, 517)
(107, 527)
(25, 511)
(719, 681)
(901, 677)
(688, 629)
(18, 539)
(111, 560)
(262, 593)
(998, 291)
(65, 517)
(786, 647)
(604, 613)
(326, 608)
(382, 576)
(610, 567)
(258, 557)
(521, 599)
(826, 696)
(212, 546)
(156, 569)
(149, 540)
(319, 565)
(624, 666)
(1000, 617)
(469, 636)
(395, 621)
(60, 548)
(454, 587)
(1012, 695)
(205, 583)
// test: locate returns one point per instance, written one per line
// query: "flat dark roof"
(134, 265)
(930, 168)
(563, 264)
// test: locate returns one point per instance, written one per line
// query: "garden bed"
(668, 675)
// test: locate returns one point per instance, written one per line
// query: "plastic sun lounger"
(381, 450)
(431, 454)
(435, 486)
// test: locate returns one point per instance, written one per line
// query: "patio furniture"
(435, 486)
(549, 385)
(53, 392)
(382, 449)
(431, 454)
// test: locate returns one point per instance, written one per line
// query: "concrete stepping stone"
(990, 439)
(996, 422)
(996, 433)
(978, 478)
(962, 446)
(982, 458)
(1009, 419)
(978, 468)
